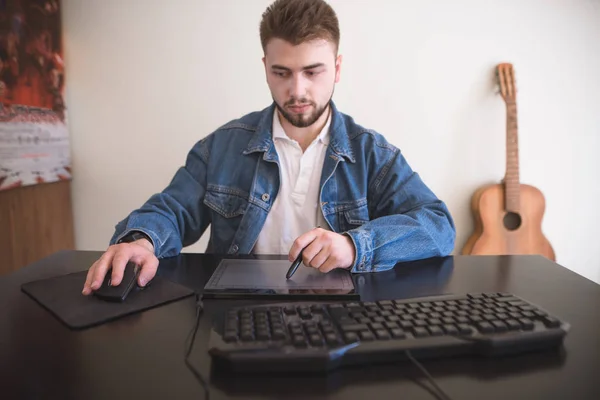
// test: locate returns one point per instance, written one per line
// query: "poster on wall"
(34, 140)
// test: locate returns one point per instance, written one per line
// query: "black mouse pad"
(62, 296)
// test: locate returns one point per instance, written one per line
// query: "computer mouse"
(119, 293)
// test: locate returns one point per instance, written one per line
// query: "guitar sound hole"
(512, 221)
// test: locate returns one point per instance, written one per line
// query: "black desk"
(142, 356)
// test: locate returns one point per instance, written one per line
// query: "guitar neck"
(511, 178)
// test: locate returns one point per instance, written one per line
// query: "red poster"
(34, 141)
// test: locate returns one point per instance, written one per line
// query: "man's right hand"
(140, 252)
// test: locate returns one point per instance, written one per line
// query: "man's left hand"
(324, 250)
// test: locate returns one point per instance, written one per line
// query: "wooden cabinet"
(35, 221)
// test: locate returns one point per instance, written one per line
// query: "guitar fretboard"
(511, 179)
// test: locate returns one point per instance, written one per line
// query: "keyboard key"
(526, 324)
(528, 314)
(499, 326)
(391, 325)
(305, 314)
(393, 318)
(464, 329)
(290, 310)
(376, 326)
(513, 325)
(262, 335)
(246, 327)
(475, 318)
(382, 334)
(332, 339)
(366, 335)
(485, 327)
(312, 330)
(354, 328)
(278, 334)
(346, 321)
(316, 340)
(527, 308)
(551, 322)
(406, 324)
(398, 333)
(420, 332)
(450, 329)
(435, 330)
(337, 313)
(350, 337)
(299, 341)
(317, 309)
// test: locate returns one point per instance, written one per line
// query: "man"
(266, 181)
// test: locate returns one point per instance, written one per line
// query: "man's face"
(302, 78)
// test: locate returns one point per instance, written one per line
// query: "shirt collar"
(279, 132)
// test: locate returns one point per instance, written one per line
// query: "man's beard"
(302, 120)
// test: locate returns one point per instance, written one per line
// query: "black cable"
(190, 346)
(440, 393)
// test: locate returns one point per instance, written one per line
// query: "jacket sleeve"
(175, 217)
(408, 222)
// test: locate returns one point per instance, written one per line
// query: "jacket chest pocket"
(353, 218)
(227, 213)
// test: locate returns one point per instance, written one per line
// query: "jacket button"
(266, 197)
(235, 248)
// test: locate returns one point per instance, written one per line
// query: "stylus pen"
(294, 266)
(296, 263)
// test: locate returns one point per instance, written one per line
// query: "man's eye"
(280, 74)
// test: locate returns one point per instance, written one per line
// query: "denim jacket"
(231, 178)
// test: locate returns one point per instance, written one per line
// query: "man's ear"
(264, 60)
(338, 68)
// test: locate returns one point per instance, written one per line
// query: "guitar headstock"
(506, 79)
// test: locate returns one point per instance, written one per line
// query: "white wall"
(148, 78)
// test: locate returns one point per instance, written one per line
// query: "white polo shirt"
(296, 208)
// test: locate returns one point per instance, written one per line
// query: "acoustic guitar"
(508, 216)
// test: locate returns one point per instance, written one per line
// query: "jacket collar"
(262, 140)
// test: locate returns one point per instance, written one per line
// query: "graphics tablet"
(236, 278)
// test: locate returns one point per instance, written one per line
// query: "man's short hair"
(299, 21)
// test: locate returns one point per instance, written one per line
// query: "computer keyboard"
(321, 336)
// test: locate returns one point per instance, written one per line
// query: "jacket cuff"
(151, 235)
(363, 246)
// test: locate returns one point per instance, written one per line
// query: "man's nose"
(298, 87)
